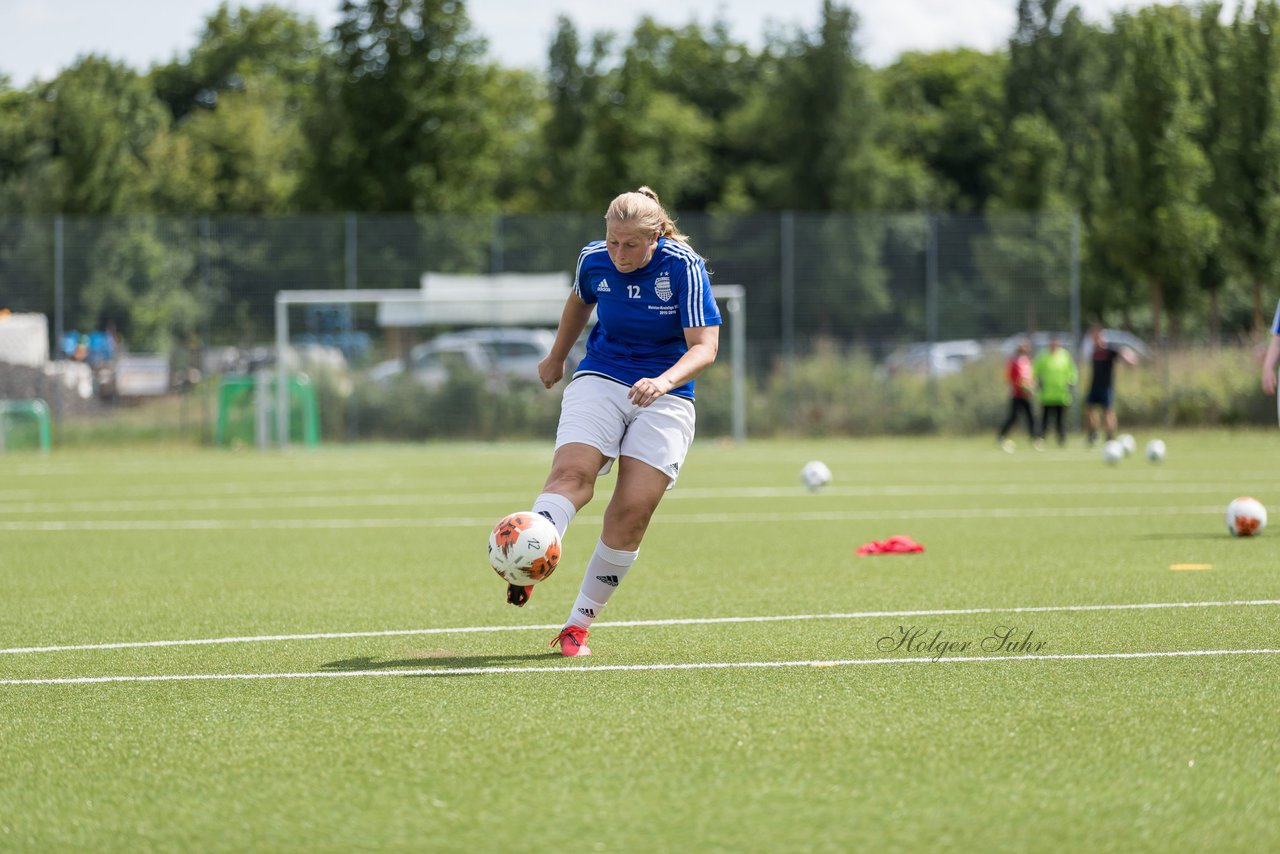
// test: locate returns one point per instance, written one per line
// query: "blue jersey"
(641, 316)
(1275, 321)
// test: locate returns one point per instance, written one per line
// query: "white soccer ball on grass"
(1127, 442)
(1155, 450)
(815, 475)
(1112, 452)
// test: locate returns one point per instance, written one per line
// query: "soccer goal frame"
(734, 298)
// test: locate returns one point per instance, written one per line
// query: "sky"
(38, 38)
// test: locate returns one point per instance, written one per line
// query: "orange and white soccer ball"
(1246, 517)
(524, 548)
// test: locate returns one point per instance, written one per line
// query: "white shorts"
(595, 411)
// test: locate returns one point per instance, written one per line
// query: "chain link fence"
(885, 307)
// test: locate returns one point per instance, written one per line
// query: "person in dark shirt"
(1102, 390)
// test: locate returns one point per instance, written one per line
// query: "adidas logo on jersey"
(611, 580)
(587, 612)
(602, 287)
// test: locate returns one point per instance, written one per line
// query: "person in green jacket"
(1056, 376)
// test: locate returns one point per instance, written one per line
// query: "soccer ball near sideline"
(815, 475)
(1112, 452)
(524, 548)
(1246, 517)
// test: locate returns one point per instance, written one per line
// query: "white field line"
(685, 518)
(334, 494)
(690, 621)
(198, 489)
(603, 668)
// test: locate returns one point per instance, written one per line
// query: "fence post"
(206, 291)
(59, 309)
(787, 282)
(349, 259)
(1076, 331)
(931, 300)
(495, 245)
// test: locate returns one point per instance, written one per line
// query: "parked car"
(1040, 340)
(938, 358)
(501, 354)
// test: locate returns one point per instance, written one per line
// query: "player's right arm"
(573, 319)
(1269, 363)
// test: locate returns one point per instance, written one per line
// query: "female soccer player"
(1272, 357)
(631, 397)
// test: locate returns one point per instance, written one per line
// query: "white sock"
(605, 572)
(557, 508)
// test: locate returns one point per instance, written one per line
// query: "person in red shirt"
(1021, 389)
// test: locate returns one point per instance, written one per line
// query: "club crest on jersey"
(662, 285)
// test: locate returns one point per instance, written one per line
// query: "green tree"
(642, 133)
(1053, 155)
(97, 119)
(572, 84)
(1158, 229)
(807, 137)
(21, 149)
(140, 283)
(1058, 69)
(518, 104)
(1246, 150)
(404, 129)
(947, 114)
(237, 52)
(249, 147)
(238, 100)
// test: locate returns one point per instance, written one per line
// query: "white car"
(501, 354)
(939, 359)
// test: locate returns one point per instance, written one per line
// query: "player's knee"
(625, 526)
(576, 484)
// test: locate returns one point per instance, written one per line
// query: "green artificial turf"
(754, 685)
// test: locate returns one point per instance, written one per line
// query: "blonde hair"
(643, 210)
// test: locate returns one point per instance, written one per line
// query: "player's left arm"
(1128, 354)
(703, 343)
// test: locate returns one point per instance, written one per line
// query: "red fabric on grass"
(900, 544)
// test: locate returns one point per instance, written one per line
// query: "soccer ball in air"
(1155, 450)
(1112, 452)
(524, 548)
(1127, 442)
(815, 475)
(1246, 517)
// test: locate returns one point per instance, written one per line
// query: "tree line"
(1160, 129)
